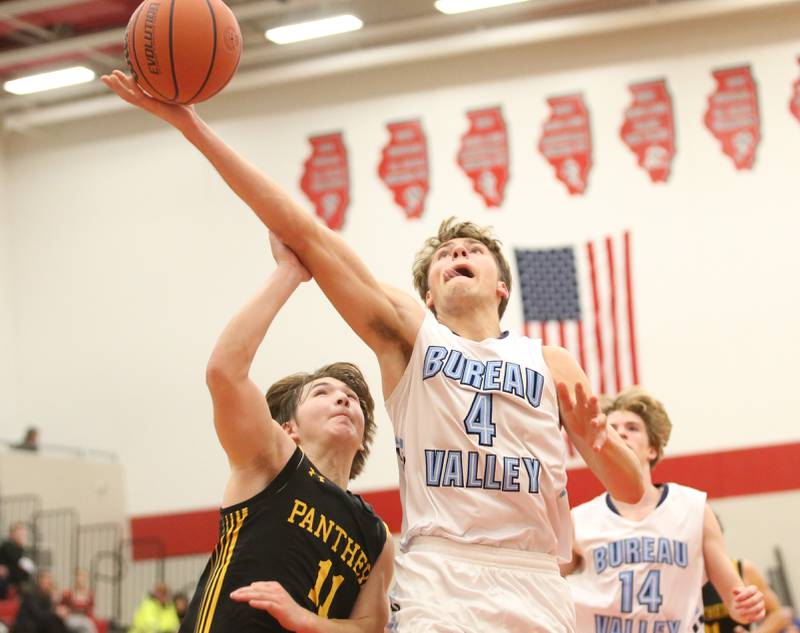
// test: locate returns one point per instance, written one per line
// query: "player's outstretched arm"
(387, 323)
(603, 450)
(745, 603)
(242, 419)
(370, 612)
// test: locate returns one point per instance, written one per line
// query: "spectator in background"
(15, 557)
(80, 602)
(31, 440)
(4, 584)
(717, 618)
(37, 613)
(156, 613)
(181, 601)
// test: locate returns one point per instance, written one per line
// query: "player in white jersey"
(639, 568)
(482, 461)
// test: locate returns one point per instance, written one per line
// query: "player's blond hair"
(284, 396)
(653, 414)
(451, 229)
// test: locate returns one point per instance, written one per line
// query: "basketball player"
(475, 412)
(639, 567)
(293, 541)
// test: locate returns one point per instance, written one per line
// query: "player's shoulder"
(591, 507)
(361, 505)
(368, 516)
(680, 491)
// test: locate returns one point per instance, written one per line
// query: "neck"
(650, 497)
(475, 325)
(332, 464)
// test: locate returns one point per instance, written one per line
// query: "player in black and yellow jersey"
(297, 551)
(715, 613)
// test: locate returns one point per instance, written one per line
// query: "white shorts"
(446, 587)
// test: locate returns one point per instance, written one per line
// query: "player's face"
(463, 268)
(330, 408)
(632, 430)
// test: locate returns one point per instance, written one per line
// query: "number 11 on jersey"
(315, 594)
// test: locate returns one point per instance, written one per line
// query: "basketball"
(183, 51)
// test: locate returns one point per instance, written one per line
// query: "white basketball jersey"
(482, 458)
(640, 576)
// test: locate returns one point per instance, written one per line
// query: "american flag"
(581, 298)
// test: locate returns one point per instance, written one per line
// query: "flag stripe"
(567, 289)
(629, 291)
(598, 330)
(612, 288)
(581, 347)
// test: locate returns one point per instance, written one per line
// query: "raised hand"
(271, 597)
(128, 90)
(582, 418)
(748, 605)
(284, 256)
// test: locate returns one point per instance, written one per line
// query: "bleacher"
(70, 527)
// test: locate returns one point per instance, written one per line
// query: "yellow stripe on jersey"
(223, 554)
(215, 558)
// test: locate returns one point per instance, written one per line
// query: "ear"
(428, 300)
(291, 430)
(502, 290)
(652, 453)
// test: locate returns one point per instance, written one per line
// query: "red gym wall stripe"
(732, 473)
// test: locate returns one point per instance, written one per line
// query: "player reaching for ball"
(477, 413)
(293, 541)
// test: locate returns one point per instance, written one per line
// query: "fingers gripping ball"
(183, 51)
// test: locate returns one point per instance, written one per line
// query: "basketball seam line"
(213, 52)
(136, 56)
(171, 51)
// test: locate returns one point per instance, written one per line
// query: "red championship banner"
(794, 106)
(733, 117)
(326, 178)
(648, 128)
(404, 166)
(484, 154)
(566, 141)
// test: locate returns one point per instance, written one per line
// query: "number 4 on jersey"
(479, 419)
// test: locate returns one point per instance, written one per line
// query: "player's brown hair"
(653, 414)
(450, 229)
(283, 398)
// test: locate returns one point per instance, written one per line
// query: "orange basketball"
(183, 51)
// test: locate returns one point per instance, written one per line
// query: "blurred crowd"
(30, 602)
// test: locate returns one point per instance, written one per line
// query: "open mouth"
(458, 271)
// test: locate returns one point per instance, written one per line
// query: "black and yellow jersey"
(303, 531)
(715, 613)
